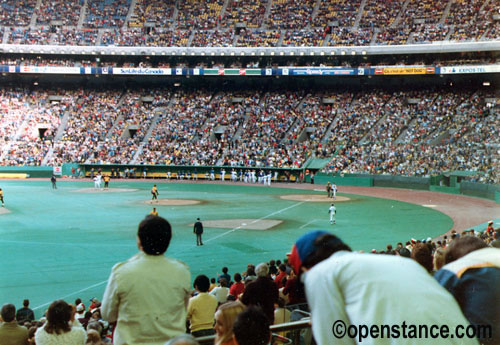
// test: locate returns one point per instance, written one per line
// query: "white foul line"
(213, 238)
(71, 294)
(255, 221)
(306, 224)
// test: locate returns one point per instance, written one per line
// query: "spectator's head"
(404, 252)
(251, 270)
(78, 301)
(237, 277)
(262, 270)
(154, 235)
(201, 283)
(438, 260)
(223, 282)
(58, 317)
(224, 270)
(422, 254)
(282, 268)
(182, 339)
(26, 303)
(93, 337)
(96, 326)
(252, 327)
(8, 312)
(462, 246)
(224, 321)
(313, 248)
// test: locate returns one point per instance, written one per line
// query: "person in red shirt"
(279, 278)
(490, 230)
(238, 287)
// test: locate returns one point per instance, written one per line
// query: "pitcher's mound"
(109, 190)
(3, 210)
(173, 202)
(246, 224)
(313, 198)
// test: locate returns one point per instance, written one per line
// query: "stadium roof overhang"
(434, 48)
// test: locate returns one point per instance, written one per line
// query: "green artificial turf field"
(62, 243)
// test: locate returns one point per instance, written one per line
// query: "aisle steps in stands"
(130, 13)
(446, 12)
(360, 14)
(34, 16)
(82, 18)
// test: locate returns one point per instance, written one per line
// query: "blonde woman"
(224, 320)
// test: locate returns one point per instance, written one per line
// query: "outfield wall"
(35, 172)
(486, 191)
(434, 183)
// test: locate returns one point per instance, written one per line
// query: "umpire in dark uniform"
(198, 230)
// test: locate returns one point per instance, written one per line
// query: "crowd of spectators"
(39, 35)
(161, 38)
(290, 14)
(246, 23)
(379, 13)
(157, 13)
(249, 13)
(304, 38)
(64, 12)
(411, 133)
(106, 13)
(340, 13)
(347, 37)
(422, 133)
(278, 287)
(16, 13)
(258, 38)
(91, 116)
(204, 15)
(206, 38)
(72, 36)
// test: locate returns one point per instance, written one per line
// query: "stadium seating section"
(410, 133)
(245, 23)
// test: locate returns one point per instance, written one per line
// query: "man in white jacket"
(372, 299)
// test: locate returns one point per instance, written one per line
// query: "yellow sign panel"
(406, 70)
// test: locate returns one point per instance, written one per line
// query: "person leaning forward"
(135, 295)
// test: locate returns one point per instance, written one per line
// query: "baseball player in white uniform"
(97, 182)
(334, 191)
(332, 211)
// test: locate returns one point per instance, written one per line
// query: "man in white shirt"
(347, 291)
(147, 295)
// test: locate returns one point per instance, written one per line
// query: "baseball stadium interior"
(363, 93)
